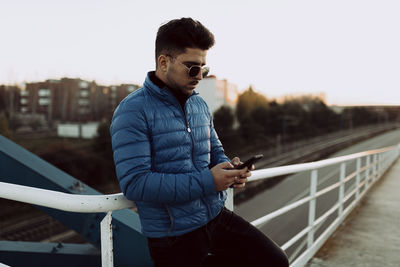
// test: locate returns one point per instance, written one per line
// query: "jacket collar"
(163, 93)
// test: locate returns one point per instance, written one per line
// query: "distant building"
(77, 100)
(65, 99)
(72, 99)
(120, 92)
(9, 99)
(74, 130)
(217, 92)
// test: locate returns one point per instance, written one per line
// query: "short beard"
(172, 85)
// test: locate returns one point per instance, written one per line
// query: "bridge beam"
(18, 253)
(19, 166)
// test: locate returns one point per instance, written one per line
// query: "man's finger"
(235, 161)
(235, 172)
(227, 165)
(239, 185)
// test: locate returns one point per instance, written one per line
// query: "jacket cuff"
(208, 182)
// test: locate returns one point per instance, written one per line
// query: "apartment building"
(72, 100)
(77, 100)
(217, 92)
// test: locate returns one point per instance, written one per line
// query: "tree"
(250, 112)
(322, 118)
(224, 120)
(80, 163)
(102, 142)
(14, 123)
(274, 125)
(4, 127)
(247, 102)
(360, 116)
(102, 147)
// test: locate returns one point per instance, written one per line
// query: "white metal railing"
(73, 203)
(365, 176)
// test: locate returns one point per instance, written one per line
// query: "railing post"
(341, 188)
(107, 257)
(312, 206)
(385, 156)
(379, 165)
(374, 168)
(229, 199)
(398, 150)
(367, 171)
(358, 178)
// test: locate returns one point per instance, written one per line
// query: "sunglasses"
(194, 70)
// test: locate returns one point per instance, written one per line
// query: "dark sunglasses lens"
(194, 70)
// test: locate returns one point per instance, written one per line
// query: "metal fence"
(357, 174)
(369, 166)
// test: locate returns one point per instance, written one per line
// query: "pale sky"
(348, 49)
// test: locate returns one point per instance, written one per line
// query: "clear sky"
(348, 49)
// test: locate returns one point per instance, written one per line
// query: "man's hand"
(241, 182)
(224, 175)
(236, 162)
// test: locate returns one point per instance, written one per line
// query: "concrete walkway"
(370, 236)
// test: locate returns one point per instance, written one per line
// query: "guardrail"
(369, 167)
(364, 175)
(73, 203)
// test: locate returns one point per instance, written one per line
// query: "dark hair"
(178, 34)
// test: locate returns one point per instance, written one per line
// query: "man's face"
(177, 73)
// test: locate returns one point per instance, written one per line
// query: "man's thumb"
(235, 161)
(227, 165)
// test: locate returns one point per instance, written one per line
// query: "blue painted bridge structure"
(350, 177)
(19, 166)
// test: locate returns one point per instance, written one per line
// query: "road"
(296, 186)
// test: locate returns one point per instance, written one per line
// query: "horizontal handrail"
(264, 219)
(365, 177)
(289, 169)
(64, 201)
(105, 203)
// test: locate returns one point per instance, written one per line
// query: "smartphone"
(249, 162)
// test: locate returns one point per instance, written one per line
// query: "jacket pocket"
(171, 218)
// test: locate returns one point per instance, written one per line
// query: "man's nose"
(199, 75)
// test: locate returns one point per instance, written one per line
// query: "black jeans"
(227, 240)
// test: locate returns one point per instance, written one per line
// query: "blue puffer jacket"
(163, 157)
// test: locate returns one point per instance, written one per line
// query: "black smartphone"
(250, 161)
(248, 164)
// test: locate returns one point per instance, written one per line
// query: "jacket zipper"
(183, 109)
(191, 138)
(190, 134)
(171, 218)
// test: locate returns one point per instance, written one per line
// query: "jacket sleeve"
(132, 158)
(217, 151)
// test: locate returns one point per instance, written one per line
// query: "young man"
(170, 162)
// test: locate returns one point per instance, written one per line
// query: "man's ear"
(162, 61)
